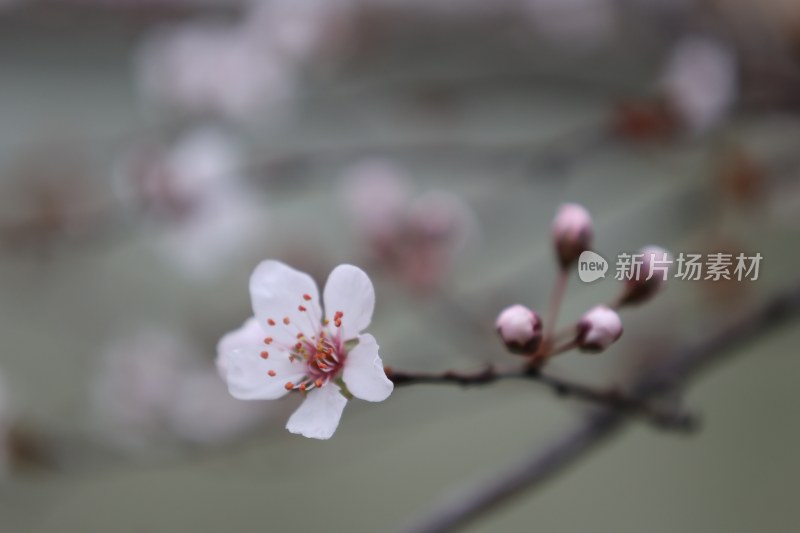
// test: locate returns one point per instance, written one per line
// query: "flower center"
(323, 353)
(323, 356)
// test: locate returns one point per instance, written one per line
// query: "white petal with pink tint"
(364, 374)
(279, 293)
(349, 291)
(319, 414)
(249, 376)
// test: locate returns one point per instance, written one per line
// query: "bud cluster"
(521, 329)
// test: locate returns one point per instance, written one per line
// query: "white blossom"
(292, 345)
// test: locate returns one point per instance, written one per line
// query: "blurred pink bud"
(520, 328)
(438, 227)
(441, 217)
(572, 233)
(598, 329)
(653, 274)
(418, 238)
(376, 193)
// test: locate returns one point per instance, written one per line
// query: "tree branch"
(610, 398)
(601, 425)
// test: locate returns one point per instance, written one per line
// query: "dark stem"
(609, 398)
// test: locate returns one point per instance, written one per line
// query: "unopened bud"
(520, 328)
(598, 329)
(572, 233)
(651, 277)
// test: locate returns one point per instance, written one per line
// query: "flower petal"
(319, 414)
(249, 376)
(279, 294)
(349, 291)
(363, 372)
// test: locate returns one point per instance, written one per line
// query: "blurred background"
(152, 152)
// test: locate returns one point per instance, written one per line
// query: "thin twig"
(532, 471)
(555, 306)
(610, 398)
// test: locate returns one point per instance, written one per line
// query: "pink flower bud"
(520, 328)
(652, 276)
(598, 329)
(572, 233)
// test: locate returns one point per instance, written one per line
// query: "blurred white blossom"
(152, 387)
(215, 233)
(301, 30)
(700, 82)
(203, 412)
(172, 179)
(243, 69)
(207, 68)
(208, 214)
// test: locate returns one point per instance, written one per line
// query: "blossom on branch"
(292, 345)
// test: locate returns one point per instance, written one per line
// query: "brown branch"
(610, 398)
(532, 471)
